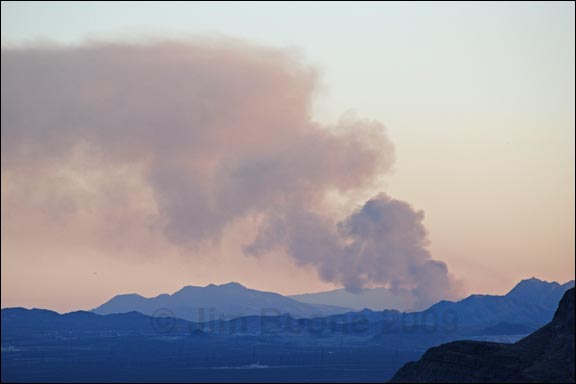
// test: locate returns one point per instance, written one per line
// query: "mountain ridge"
(232, 299)
(546, 355)
(381, 298)
(531, 301)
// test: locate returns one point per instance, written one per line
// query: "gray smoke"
(214, 131)
(382, 243)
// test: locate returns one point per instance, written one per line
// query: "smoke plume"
(186, 138)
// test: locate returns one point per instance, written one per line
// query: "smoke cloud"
(382, 243)
(184, 139)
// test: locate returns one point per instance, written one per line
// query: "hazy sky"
(477, 100)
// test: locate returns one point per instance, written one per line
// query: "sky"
(455, 119)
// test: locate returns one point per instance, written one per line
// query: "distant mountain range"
(546, 356)
(376, 299)
(20, 323)
(132, 346)
(539, 292)
(527, 306)
(531, 301)
(212, 302)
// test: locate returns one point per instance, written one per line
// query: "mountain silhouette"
(212, 302)
(531, 301)
(546, 355)
(376, 299)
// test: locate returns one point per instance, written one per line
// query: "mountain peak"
(538, 292)
(532, 280)
(232, 284)
(229, 299)
(529, 284)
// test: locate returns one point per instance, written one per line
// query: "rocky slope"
(546, 355)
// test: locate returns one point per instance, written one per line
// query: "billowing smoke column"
(216, 130)
(382, 243)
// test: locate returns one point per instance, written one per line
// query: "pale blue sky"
(477, 97)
